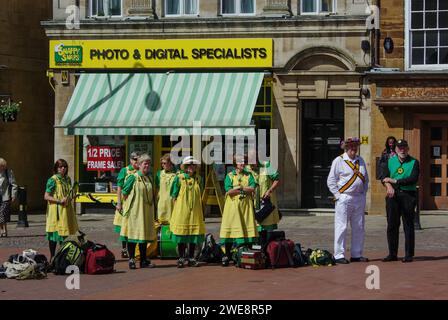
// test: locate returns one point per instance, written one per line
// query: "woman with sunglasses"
(61, 218)
(164, 181)
(122, 176)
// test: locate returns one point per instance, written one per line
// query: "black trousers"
(401, 205)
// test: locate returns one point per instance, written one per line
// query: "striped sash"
(356, 174)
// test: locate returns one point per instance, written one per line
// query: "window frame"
(408, 41)
(182, 10)
(318, 6)
(238, 10)
(105, 16)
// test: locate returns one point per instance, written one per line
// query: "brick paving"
(425, 278)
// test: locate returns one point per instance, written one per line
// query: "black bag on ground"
(266, 208)
(211, 251)
(69, 254)
(299, 257)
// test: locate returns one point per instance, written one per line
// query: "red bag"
(252, 259)
(100, 260)
(280, 253)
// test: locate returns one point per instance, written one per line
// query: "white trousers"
(349, 207)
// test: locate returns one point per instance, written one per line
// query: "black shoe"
(132, 264)
(146, 264)
(342, 261)
(390, 258)
(193, 263)
(180, 262)
(124, 253)
(360, 259)
(407, 259)
(225, 261)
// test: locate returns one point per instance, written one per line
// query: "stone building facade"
(411, 101)
(27, 144)
(316, 76)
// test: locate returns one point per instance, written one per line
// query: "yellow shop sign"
(130, 54)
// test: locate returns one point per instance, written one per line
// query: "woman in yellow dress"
(61, 218)
(124, 173)
(164, 181)
(138, 212)
(187, 219)
(238, 224)
(268, 181)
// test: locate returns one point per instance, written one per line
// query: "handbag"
(266, 208)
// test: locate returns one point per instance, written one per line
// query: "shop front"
(118, 96)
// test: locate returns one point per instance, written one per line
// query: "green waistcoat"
(403, 170)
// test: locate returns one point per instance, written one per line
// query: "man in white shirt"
(348, 181)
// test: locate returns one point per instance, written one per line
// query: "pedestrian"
(238, 225)
(348, 181)
(8, 194)
(122, 176)
(61, 218)
(187, 219)
(164, 181)
(388, 152)
(138, 212)
(400, 179)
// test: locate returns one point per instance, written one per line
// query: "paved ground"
(426, 278)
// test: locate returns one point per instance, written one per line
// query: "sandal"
(193, 263)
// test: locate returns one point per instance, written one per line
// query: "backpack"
(298, 257)
(320, 257)
(70, 253)
(100, 260)
(211, 251)
(280, 253)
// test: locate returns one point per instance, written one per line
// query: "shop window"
(436, 189)
(436, 171)
(105, 8)
(238, 7)
(428, 34)
(262, 117)
(318, 6)
(436, 133)
(181, 7)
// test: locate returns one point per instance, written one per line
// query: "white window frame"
(238, 9)
(408, 44)
(318, 6)
(105, 16)
(182, 10)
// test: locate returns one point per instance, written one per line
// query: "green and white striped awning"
(162, 103)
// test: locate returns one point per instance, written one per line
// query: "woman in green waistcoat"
(187, 220)
(164, 181)
(138, 212)
(238, 224)
(61, 218)
(122, 176)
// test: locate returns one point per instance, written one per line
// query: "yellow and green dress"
(187, 219)
(255, 174)
(164, 181)
(238, 219)
(138, 210)
(61, 220)
(124, 173)
(265, 180)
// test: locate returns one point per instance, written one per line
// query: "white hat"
(190, 160)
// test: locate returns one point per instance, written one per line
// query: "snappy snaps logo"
(67, 54)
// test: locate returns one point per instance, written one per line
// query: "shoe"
(390, 258)
(124, 253)
(342, 261)
(407, 259)
(132, 264)
(360, 259)
(180, 262)
(146, 264)
(225, 261)
(193, 263)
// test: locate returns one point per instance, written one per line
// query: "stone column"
(277, 8)
(141, 8)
